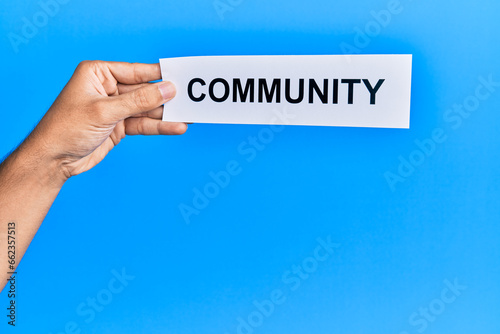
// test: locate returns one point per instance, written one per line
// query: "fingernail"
(167, 90)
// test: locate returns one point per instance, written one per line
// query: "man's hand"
(103, 102)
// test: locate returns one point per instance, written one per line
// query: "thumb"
(144, 99)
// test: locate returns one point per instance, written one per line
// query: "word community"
(260, 90)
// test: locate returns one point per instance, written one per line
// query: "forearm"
(30, 180)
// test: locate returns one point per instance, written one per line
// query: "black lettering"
(275, 88)
(374, 90)
(212, 93)
(238, 89)
(351, 82)
(301, 91)
(313, 87)
(335, 97)
(190, 90)
(244, 90)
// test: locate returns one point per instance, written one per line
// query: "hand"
(102, 102)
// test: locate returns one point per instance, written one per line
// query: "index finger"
(134, 73)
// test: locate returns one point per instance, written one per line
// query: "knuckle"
(141, 99)
(89, 64)
(140, 126)
(83, 63)
(136, 73)
(100, 110)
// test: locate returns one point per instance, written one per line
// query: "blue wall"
(413, 214)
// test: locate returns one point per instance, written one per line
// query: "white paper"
(389, 109)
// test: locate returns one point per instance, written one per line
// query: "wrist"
(33, 162)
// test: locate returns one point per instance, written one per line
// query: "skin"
(101, 104)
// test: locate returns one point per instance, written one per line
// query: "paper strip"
(332, 90)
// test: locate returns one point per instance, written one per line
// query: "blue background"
(396, 247)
